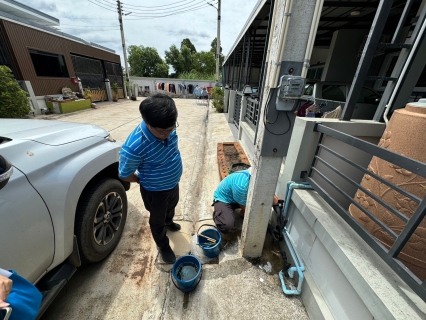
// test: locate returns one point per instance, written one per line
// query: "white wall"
(152, 83)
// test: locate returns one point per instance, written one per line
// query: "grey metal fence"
(237, 108)
(390, 256)
(252, 112)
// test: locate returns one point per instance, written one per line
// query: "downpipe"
(299, 267)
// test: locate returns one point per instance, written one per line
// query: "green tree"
(146, 62)
(186, 42)
(204, 62)
(180, 60)
(13, 100)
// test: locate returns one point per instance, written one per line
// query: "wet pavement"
(133, 282)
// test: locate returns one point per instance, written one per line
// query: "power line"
(95, 3)
(158, 6)
(166, 10)
(175, 7)
(167, 15)
(162, 11)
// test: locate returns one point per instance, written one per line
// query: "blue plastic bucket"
(210, 250)
(186, 273)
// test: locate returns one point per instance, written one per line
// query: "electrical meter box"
(290, 89)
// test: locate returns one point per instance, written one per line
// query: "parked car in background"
(333, 94)
(61, 201)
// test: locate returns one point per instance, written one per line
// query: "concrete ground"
(133, 282)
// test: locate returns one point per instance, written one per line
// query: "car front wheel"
(100, 219)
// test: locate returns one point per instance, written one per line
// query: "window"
(49, 64)
(334, 92)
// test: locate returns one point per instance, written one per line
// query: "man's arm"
(133, 178)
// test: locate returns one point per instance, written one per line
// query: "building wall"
(342, 55)
(152, 83)
(21, 38)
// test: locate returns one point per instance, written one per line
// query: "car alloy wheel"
(108, 218)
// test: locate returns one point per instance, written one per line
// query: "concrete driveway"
(133, 283)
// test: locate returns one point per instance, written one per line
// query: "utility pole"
(217, 41)
(123, 42)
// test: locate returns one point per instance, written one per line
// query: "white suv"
(61, 201)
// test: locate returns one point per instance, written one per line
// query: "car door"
(26, 231)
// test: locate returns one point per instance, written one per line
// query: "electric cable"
(168, 15)
(165, 14)
(265, 123)
(162, 10)
(161, 15)
(160, 5)
(99, 5)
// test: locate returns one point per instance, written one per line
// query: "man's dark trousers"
(161, 206)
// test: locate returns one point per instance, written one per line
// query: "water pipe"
(299, 267)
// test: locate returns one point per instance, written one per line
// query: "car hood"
(48, 132)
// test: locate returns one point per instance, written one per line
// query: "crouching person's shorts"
(223, 216)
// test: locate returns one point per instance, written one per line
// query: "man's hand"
(243, 211)
(275, 200)
(5, 288)
(133, 178)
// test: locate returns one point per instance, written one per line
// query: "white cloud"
(90, 22)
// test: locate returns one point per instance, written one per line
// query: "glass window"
(334, 92)
(49, 64)
(368, 96)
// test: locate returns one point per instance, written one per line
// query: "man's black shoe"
(173, 227)
(167, 254)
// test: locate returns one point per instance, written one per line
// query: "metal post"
(251, 56)
(233, 70)
(218, 44)
(397, 94)
(376, 31)
(247, 58)
(123, 42)
(240, 69)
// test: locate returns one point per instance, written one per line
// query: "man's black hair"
(159, 111)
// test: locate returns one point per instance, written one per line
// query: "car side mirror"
(6, 171)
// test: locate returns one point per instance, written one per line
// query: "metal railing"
(412, 223)
(237, 108)
(252, 112)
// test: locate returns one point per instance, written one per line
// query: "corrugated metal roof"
(259, 5)
(13, 18)
(24, 11)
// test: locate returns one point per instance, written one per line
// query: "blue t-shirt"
(234, 188)
(157, 162)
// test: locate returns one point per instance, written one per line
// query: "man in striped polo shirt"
(231, 194)
(150, 157)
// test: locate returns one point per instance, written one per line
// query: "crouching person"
(231, 194)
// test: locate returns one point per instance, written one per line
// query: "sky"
(97, 21)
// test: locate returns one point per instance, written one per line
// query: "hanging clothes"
(162, 86)
(172, 88)
(190, 88)
(334, 114)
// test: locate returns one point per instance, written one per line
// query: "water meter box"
(290, 89)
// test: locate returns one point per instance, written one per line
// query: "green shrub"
(13, 100)
(217, 97)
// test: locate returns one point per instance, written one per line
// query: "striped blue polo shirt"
(157, 162)
(234, 188)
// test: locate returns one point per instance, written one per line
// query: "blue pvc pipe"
(299, 266)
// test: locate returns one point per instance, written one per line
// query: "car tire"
(100, 218)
